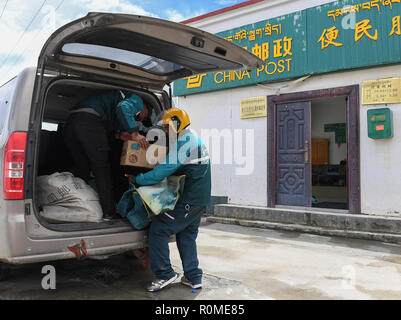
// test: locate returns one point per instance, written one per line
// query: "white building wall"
(380, 159)
(221, 110)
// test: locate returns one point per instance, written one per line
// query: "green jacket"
(118, 107)
(188, 157)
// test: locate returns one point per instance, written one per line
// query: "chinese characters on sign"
(328, 37)
(277, 49)
(254, 108)
(339, 35)
(281, 48)
(277, 52)
(381, 91)
(362, 29)
(396, 26)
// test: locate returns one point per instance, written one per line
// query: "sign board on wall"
(254, 108)
(340, 130)
(340, 35)
(381, 91)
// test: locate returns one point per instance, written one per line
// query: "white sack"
(66, 198)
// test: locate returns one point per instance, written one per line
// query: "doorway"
(313, 149)
(329, 153)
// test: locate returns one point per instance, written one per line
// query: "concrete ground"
(290, 265)
(239, 263)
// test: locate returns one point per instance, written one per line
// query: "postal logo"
(195, 81)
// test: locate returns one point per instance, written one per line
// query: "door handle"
(306, 150)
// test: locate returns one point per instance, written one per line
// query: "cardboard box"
(133, 155)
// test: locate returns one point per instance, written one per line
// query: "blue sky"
(25, 25)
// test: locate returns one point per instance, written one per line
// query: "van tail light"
(14, 165)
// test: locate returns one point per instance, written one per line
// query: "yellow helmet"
(177, 119)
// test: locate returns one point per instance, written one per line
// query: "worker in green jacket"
(89, 134)
(189, 157)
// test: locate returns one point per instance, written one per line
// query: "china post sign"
(340, 35)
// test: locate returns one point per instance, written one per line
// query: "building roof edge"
(220, 11)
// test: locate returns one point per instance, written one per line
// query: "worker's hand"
(130, 177)
(132, 180)
(125, 136)
(140, 139)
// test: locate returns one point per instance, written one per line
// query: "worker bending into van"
(88, 134)
(185, 219)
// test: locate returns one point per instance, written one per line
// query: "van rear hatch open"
(147, 51)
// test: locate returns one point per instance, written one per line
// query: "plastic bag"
(139, 204)
(131, 207)
(163, 196)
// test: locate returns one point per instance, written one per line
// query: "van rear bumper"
(67, 254)
(20, 245)
(58, 249)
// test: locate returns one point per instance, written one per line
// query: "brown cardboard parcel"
(133, 155)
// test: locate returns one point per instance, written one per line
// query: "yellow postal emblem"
(195, 81)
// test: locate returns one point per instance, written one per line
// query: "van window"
(143, 61)
(6, 93)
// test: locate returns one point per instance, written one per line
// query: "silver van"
(88, 56)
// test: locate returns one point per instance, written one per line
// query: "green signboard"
(340, 35)
(340, 130)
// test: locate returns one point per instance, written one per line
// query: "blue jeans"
(184, 224)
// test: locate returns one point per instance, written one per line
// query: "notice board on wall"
(381, 91)
(254, 108)
(340, 130)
